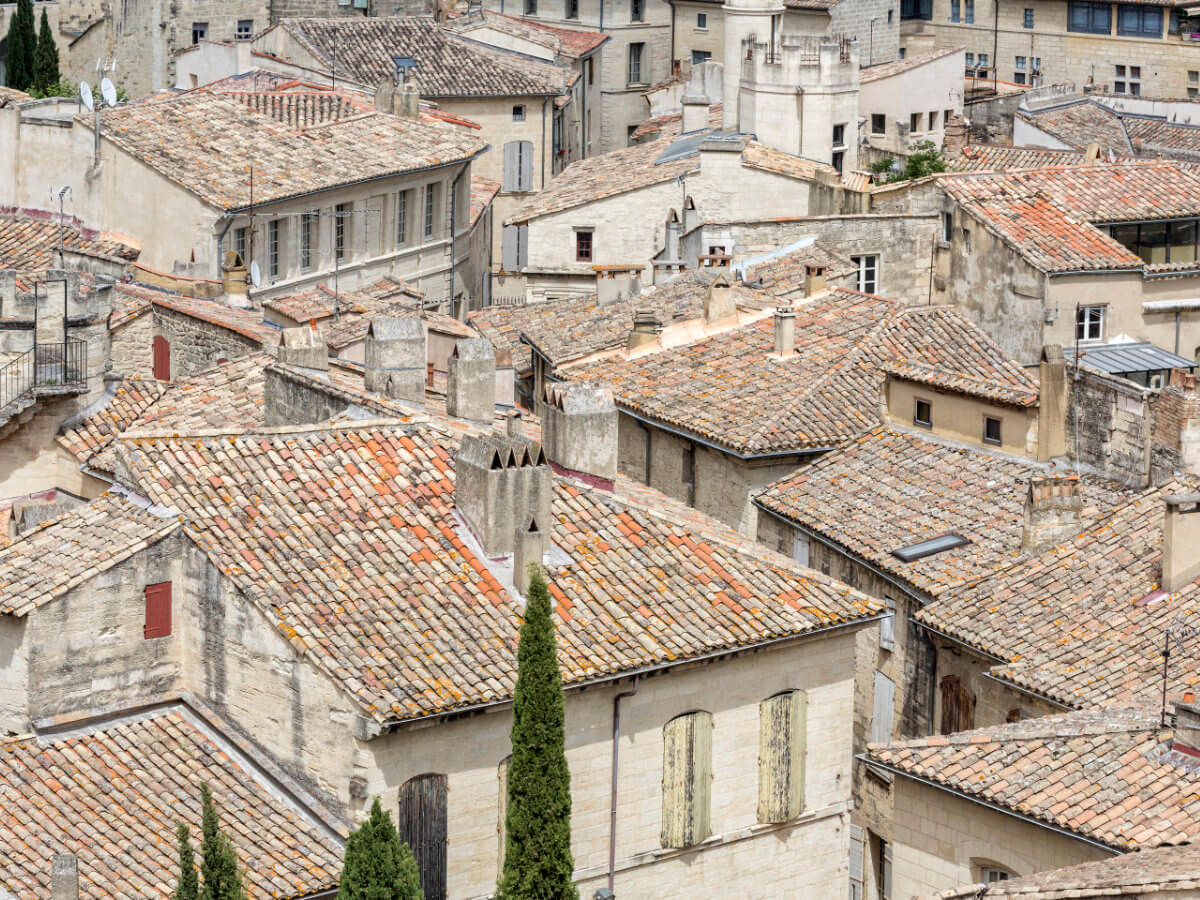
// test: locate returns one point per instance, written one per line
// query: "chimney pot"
(1181, 541)
(304, 347)
(814, 280)
(1052, 505)
(471, 380)
(395, 358)
(785, 332)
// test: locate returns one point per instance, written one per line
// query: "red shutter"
(158, 610)
(162, 358)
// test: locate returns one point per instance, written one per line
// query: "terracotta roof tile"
(130, 400)
(1165, 869)
(991, 158)
(317, 303)
(483, 192)
(568, 42)
(28, 242)
(246, 322)
(900, 66)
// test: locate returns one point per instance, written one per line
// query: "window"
(990, 875)
(781, 746)
(160, 353)
(583, 246)
(882, 852)
(273, 248)
(933, 120)
(931, 547)
(800, 547)
(902, 52)
(518, 166)
(402, 218)
(887, 626)
(914, 122)
(1089, 323)
(699, 57)
(891, 15)
(923, 414)
(955, 10)
(429, 189)
(916, 9)
(983, 62)
(868, 271)
(884, 709)
(308, 227)
(878, 123)
(858, 855)
(958, 706)
(629, 130)
(635, 63)
(245, 29)
(341, 215)
(970, 63)
(1089, 17)
(1028, 18)
(158, 610)
(839, 136)
(531, 7)
(239, 243)
(199, 31)
(969, 11)
(421, 821)
(1193, 84)
(947, 227)
(966, 236)
(637, 10)
(991, 430)
(688, 473)
(572, 9)
(687, 779)
(1019, 64)
(701, 20)
(519, 113)
(1174, 22)
(514, 247)
(1139, 21)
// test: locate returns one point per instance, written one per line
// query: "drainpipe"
(616, 743)
(454, 235)
(1178, 313)
(544, 102)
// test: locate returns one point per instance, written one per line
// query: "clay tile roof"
(206, 142)
(246, 322)
(569, 42)
(1024, 207)
(1106, 774)
(1080, 123)
(483, 192)
(131, 398)
(1080, 622)
(1164, 869)
(932, 487)
(727, 389)
(318, 302)
(768, 159)
(900, 66)
(670, 124)
(783, 275)
(31, 242)
(348, 537)
(112, 797)
(11, 96)
(82, 543)
(990, 158)
(447, 65)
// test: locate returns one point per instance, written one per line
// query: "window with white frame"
(1089, 323)
(199, 31)
(993, 874)
(429, 192)
(341, 229)
(273, 248)
(519, 112)
(1128, 80)
(1019, 69)
(636, 52)
(402, 218)
(887, 626)
(868, 273)
(308, 229)
(245, 29)
(969, 11)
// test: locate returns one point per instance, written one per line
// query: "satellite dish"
(255, 274)
(108, 91)
(85, 95)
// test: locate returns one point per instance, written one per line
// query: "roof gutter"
(1065, 832)
(1057, 274)
(1170, 305)
(1029, 692)
(960, 643)
(644, 671)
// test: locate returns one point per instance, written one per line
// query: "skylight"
(939, 544)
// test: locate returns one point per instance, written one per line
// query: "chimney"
(471, 380)
(1187, 726)
(954, 137)
(64, 877)
(1091, 154)
(1052, 505)
(408, 99)
(616, 285)
(719, 301)
(1052, 404)
(305, 348)
(512, 423)
(1181, 541)
(501, 481)
(233, 281)
(506, 381)
(814, 279)
(395, 358)
(8, 293)
(695, 112)
(530, 549)
(579, 431)
(785, 332)
(647, 328)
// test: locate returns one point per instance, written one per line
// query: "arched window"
(421, 821)
(781, 750)
(687, 779)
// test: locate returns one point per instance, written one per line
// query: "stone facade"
(196, 346)
(131, 347)
(1113, 424)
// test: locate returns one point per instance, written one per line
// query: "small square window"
(839, 136)
(991, 430)
(878, 123)
(519, 113)
(1135, 71)
(701, 20)
(914, 122)
(923, 414)
(1089, 323)
(933, 120)
(1018, 78)
(583, 246)
(700, 57)
(199, 31)
(1193, 77)
(245, 29)
(1118, 87)
(1120, 71)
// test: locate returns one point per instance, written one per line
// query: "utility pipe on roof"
(616, 745)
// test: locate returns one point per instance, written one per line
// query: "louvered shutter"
(161, 358)
(522, 246)
(374, 225)
(510, 251)
(512, 170)
(158, 610)
(687, 780)
(887, 871)
(857, 856)
(525, 157)
(781, 749)
(421, 821)
(884, 711)
(887, 626)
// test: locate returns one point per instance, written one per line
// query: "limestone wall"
(197, 346)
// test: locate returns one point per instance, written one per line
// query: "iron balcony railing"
(46, 366)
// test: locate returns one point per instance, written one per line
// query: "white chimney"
(695, 112)
(785, 332)
(1181, 541)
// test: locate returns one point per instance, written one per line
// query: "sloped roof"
(318, 302)
(1088, 121)
(347, 537)
(112, 797)
(246, 322)
(993, 158)
(906, 64)
(1164, 869)
(483, 192)
(131, 399)
(11, 96)
(570, 42)
(447, 65)
(1106, 774)
(29, 242)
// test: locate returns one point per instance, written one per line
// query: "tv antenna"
(61, 193)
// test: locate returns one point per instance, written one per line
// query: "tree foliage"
(924, 158)
(537, 859)
(377, 864)
(218, 860)
(188, 886)
(21, 47)
(45, 58)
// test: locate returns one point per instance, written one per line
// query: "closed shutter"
(161, 358)
(887, 626)
(781, 749)
(884, 711)
(374, 225)
(800, 547)
(958, 706)
(857, 855)
(422, 825)
(512, 170)
(687, 779)
(510, 249)
(525, 160)
(158, 610)
(886, 871)
(522, 246)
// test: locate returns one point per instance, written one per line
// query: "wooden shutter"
(158, 610)
(161, 358)
(525, 172)
(857, 856)
(510, 248)
(958, 705)
(887, 626)
(512, 171)
(422, 825)
(884, 710)
(374, 225)
(687, 779)
(800, 547)
(886, 871)
(781, 749)
(522, 246)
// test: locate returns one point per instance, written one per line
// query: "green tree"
(377, 865)
(188, 887)
(45, 58)
(924, 158)
(218, 860)
(20, 48)
(537, 858)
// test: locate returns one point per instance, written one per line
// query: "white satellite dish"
(108, 91)
(255, 274)
(85, 95)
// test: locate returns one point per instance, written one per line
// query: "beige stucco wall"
(690, 36)
(29, 455)
(961, 418)
(932, 88)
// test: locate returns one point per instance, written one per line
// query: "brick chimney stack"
(954, 137)
(1052, 505)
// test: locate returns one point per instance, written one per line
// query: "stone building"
(910, 100)
(1129, 127)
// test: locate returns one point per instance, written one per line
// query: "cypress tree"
(218, 861)
(188, 887)
(22, 42)
(537, 858)
(45, 60)
(377, 864)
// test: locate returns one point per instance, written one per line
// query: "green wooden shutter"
(687, 780)
(781, 750)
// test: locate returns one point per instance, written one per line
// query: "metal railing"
(62, 364)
